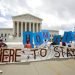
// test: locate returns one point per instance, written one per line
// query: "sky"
(56, 14)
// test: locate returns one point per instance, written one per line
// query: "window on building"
(5, 39)
(8, 34)
(1, 35)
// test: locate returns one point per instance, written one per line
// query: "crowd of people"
(45, 43)
(29, 45)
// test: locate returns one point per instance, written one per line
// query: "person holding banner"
(28, 45)
(69, 44)
(28, 39)
(63, 44)
(45, 43)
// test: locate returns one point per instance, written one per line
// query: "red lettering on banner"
(45, 52)
(34, 52)
(11, 56)
(0, 55)
(17, 55)
(5, 55)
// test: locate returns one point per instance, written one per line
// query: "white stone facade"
(22, 23)
(5, 33)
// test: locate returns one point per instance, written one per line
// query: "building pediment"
(26, 17)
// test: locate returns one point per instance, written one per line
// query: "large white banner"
(36, 54)
(47, 53)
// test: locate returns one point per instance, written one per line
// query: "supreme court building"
(25, 22)
(21, 23)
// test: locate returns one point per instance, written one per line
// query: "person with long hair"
(28, 45)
